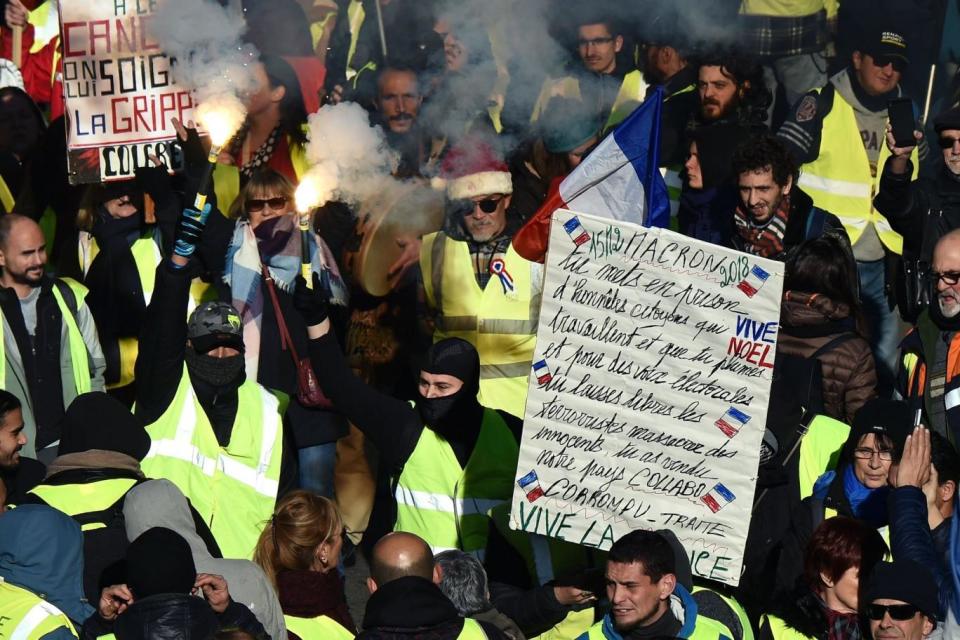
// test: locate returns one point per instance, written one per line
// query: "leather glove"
(189, 228)
(311, 303)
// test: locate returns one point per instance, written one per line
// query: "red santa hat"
(473, 168)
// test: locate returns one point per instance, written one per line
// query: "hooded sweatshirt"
(158, 503)
(41, 550)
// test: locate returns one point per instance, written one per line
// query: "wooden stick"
(17, 40)
(926, 103)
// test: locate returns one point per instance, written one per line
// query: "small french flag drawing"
(576, 231)
(530, 483)
(732, 421)
(542, 372)
(754, 281)
(718, 498)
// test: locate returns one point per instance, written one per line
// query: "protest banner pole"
(926, 103)
(17, 43)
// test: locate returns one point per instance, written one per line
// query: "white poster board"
(649, 390)
(119, 91)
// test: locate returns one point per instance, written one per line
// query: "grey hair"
(463, 581)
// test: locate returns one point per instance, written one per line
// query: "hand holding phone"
(902, 122)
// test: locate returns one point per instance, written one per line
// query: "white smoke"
(350, 158)
(211, 59)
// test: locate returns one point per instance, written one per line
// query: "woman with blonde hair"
(299, 550)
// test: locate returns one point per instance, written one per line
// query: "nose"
(22, 439)
(431, 392)
(753, 199)
(875, 460)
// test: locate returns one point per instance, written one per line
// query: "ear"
(927, 626)
(371, 586)
(825, 579)
(857, 58)
(665, 54)
(947, 491)
(788, 186)
(3, 259)
(667, 585)
(618, 43)
(506, 201)
(744, 87)
(277, 93)
(437, 575)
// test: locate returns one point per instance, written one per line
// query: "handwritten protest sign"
(648, 391)
(119, 91)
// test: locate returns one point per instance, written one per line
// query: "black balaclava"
(452, 414)
(217, 372)
(160, 561)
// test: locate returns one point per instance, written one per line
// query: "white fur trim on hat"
(479, 184)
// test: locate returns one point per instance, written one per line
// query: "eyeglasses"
(274, 203)
(947, 142)
(896, 611)
(898, 63)
(596, 42)
(487, 205)
(866, 454)
(949, 277)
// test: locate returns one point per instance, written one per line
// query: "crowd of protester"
(205, 411)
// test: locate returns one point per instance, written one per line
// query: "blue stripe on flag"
(723, 491)
(638, 136)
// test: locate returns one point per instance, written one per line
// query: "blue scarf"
(867, 504)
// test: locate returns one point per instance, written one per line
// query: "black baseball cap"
(885, 45)
(215, 324)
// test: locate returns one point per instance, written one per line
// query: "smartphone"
(902, 121)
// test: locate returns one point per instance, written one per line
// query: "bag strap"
(840, 339)
(285, 340)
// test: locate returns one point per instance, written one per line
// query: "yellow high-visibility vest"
(233, 488)
(500, 322)
(321, 627)
(444, 503)
(26, 616)
(779, 629)
(840, 180)
(820, 450)
(6, 196)
(80, 499)
(705, 629)
(631, 94)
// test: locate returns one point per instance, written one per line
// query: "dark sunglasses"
(487, 205)
(898, 63)
(947, 142)
(896, 611)
(274, 203)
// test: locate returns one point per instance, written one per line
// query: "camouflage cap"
(215, 324)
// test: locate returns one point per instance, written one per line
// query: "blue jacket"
(689, 618)
(911, 537)
(41, 550)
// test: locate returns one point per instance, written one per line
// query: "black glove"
(194, 157)
(311, 303)
(189, 228)
(157, 183)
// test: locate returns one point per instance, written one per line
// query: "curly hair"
(763, 151)
(747, 74)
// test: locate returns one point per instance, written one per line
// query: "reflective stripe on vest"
(779, 629)
(233, 488)
(79, 358)
(820, 451)
(502, 326)
(632, 90)
(840, 180)
(79, 499)
(316, 628)
(431, 492)
(26, 616)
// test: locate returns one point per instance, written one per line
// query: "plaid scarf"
(842, 626)
(277, 244)
(765, 240)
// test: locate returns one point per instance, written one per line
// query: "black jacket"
(413, 607)
(920, 210)
(163, 341)
(804, 222)
(173, 617)
(801, 611)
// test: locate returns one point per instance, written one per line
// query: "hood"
(41, 549)
(804, 309)
(159, 503)
(683, 606)
(408, 603)
(167, 616)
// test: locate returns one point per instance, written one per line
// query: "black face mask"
(434, 410)
(217, 372)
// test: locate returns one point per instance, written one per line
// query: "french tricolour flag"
(732, 421)
(542, 371)
(619, 179)
(754, 281)
(530, 484)
(718, 497)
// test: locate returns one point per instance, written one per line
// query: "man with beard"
(17, 474)
(398, 105)
(431, 447)
(925, 379)
(50, 351)
(731, 89)
(214, 433)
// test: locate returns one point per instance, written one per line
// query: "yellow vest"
(779, 629)
(840, 180)
(444, 503)
(76, 345)
(26, 616)
(738, 610)
(6, 196)
(226, 177)
(820, 450)
(319, 628)
(84, 499)
(631, 94)
(705, 629)
(502, 326)
(233, 488)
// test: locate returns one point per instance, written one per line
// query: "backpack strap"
(815, 222)
(832, 344)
